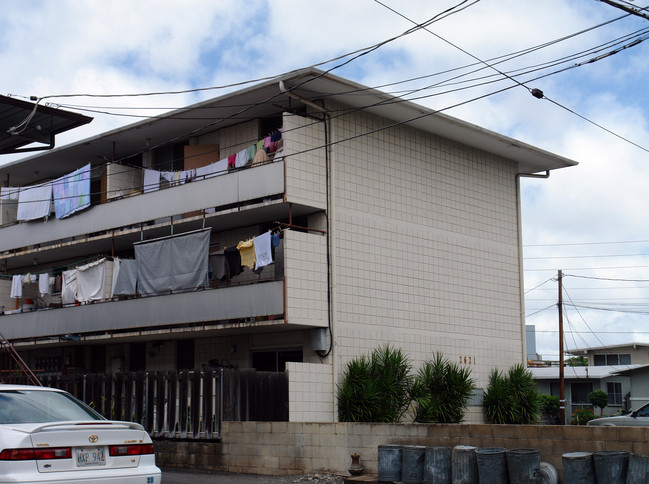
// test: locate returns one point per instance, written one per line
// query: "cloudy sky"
(591, 221)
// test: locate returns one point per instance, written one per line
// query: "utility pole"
(632, 11)
(562, 394)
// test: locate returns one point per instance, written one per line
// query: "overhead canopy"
(42, 128)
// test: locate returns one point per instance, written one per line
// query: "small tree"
(441, 391)
(550, 407)
(599, 399)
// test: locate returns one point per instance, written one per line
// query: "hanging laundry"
(276, 135)
(274, 240)
(260, 158)
(263, 253)
(17, 286)
(125, 282)
(267, 142)
(247, 250)
(221, 167)
(186, 176)
(91, 281)
(241, 159)
(169, 176)
(219, 265)
(69, 287)
(252, 150)
(233, 258)
(72, 192)
(213, 169)
(151, 180)
(44, 284)
(34, 202)
(29, 278)
(260, 145)
(231, 160)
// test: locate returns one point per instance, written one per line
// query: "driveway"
(184, 476)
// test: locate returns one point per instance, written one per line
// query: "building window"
(614, 390)
(579, 392)
(185, 354)
(274, 360)
(612, 359)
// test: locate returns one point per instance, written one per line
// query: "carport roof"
(46, 123)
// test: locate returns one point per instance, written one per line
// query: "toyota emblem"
(93, 438)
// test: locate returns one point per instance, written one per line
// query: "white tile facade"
(426, 254)
(310, 392)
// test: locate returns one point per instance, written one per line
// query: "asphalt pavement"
(185, 476)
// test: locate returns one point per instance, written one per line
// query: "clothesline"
(255, 154)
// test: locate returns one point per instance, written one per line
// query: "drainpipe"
(330, 184)
(521, 274)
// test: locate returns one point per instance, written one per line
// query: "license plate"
(91, 456)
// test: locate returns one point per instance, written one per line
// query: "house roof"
(583, 351)
(580, 372)
(265, 99)
(45, 124)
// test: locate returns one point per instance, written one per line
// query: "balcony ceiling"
(267, 99)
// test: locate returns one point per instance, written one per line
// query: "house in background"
(621, 354)
(389, 224)
(579, 381)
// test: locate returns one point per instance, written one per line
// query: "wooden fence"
(184, 404)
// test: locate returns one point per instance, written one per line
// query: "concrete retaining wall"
(280, 448)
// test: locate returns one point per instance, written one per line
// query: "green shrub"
(377, 388)
(550, 407)
(512, 398)
(583, 416)
(441, 391)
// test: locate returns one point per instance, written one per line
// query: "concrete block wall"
(283, 448)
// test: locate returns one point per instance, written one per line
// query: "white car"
(636, 418)
(48, 436)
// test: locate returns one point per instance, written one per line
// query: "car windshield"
(40, 406)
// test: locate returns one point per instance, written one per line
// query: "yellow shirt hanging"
(247, 251)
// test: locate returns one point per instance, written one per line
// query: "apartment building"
(372, 221)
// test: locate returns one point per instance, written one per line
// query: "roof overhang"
(41, 129)
(266, 99)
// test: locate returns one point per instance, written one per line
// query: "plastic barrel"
(578, 468)
(638, 472)
(492, 465)
(523, 465)
(611, 466)
(437, 465)
(390, 463)
(464, 468)
(412, 464)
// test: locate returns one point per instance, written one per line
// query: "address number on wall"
(468, 360)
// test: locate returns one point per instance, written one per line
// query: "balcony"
(292, 295)
(259, 183)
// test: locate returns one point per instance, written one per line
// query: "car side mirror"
(634, 414)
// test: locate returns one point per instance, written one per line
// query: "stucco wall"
(281, 448)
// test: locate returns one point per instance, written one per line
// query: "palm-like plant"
(525, 396)
(512, 399)
(376, 388)
(441, 391)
